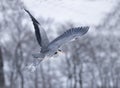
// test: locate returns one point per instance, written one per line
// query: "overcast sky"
(89, 12)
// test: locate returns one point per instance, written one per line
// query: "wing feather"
(39, 32)
(45, 40)
(67, 36)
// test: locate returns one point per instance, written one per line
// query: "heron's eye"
(55, 53)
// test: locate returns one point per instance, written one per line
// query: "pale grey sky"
(76, 11)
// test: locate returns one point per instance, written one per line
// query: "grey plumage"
(67, 36)
(40, 34)
(50, 48)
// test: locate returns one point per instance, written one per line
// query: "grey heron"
(51, 48)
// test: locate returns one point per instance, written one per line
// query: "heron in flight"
(51, 48)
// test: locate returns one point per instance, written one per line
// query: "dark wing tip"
(84, 29)
(26, 10)
(35, 23)
(33, 19)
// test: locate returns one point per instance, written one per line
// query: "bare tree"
(2, 80)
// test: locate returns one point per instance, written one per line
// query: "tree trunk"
(2, 80)
(36, 79)
(75, 77)
(80, 75)
(42, 76)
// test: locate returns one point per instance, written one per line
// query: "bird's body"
(51, 48)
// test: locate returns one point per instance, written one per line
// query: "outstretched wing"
(67, 36)
(39, 32)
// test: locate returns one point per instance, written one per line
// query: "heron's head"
(59, 51)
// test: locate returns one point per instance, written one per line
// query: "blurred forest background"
(92, 62)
